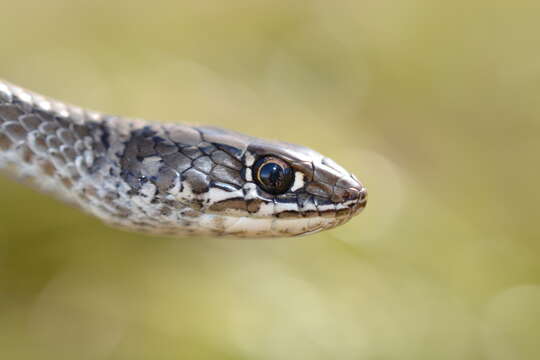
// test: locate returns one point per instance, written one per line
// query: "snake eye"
(273, 175)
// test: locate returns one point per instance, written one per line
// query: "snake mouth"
(267, 223)
(361, 202)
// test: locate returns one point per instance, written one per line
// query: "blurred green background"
(434, 105)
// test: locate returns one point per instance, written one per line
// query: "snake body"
(172, 179)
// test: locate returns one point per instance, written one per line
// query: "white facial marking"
(280, 207)
(327, 207)
(309, 206)
(266, 210)
(298, 181)
(250, 160)
(217, 194)
(251, 191)
(249, 175)
(346, 204)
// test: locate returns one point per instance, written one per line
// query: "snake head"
(287, 189)
(218, 182)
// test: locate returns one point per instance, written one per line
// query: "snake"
(171, 179)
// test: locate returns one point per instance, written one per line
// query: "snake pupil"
(273, 175)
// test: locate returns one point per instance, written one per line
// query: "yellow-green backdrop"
(433, 104)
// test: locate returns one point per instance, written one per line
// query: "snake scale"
(172, 179)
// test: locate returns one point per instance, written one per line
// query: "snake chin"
(236, 226)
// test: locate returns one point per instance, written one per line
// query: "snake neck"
(62, 149)
(101, 163)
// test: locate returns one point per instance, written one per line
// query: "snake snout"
(350, 193)
(348, 188)
(361, 202)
